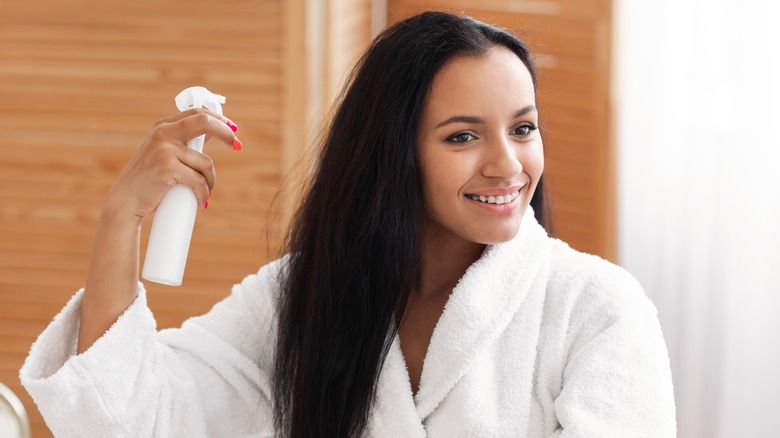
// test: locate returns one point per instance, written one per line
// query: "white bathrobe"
(536, 340)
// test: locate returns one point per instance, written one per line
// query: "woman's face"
(479, 148)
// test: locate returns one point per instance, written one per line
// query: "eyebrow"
(473, 119)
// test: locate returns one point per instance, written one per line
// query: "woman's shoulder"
(588, 283)
(263, 288)
(269, 276)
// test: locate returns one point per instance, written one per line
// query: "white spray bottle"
(169, 240)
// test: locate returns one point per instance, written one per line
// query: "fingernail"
(232, 126)
(237, 144)
(210, 193)
(206, 205)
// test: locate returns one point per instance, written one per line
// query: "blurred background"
(660, 122)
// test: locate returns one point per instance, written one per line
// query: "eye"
(524, 130)
(461, 137)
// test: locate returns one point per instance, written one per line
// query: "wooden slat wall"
(326, 38)
(80, 85)
(571, 40)
(81, 82)
(348, 33)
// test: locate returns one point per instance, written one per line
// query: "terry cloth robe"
(536, 340)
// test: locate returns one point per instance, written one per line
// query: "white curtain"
(698, 117)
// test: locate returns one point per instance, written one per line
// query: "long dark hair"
(353, 243)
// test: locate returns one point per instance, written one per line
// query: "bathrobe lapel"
(479, 309)
(395, 414)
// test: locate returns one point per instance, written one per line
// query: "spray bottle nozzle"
(199, 97)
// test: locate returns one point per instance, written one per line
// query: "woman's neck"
(444, 258)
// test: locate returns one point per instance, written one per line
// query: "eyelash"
(530, 128)
(452, 138)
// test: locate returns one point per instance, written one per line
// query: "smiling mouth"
(494, 199)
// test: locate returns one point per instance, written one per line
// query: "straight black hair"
(354, 243)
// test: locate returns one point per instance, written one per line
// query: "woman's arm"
(617, 380)
(162, 161)
(211, 377)
(112, 279)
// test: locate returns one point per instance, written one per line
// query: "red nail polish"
(206, 205)
(236, 144)
(232, 126)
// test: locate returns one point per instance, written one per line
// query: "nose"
(501, 159)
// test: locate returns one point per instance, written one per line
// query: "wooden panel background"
(571, 40)
(348, 32)
(81, 82)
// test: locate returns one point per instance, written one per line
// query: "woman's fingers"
(200, 163)
(178, 116)
(198, 121)
(164, 160)
(198, 182)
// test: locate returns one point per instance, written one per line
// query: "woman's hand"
(164, 160)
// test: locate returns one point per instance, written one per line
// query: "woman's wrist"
(115, 215)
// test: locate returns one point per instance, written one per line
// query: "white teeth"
(494, 199)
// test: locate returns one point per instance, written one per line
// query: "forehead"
(496, 79)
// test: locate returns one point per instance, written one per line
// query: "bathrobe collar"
(479, 309)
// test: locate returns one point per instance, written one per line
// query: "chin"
(500, 232)
(497, 236)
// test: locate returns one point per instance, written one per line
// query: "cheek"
(443, 178)
(438, 186)
(533, 162)
(442, 174)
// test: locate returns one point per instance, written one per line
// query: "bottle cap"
(199, 97)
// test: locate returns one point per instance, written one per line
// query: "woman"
(419, 295)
